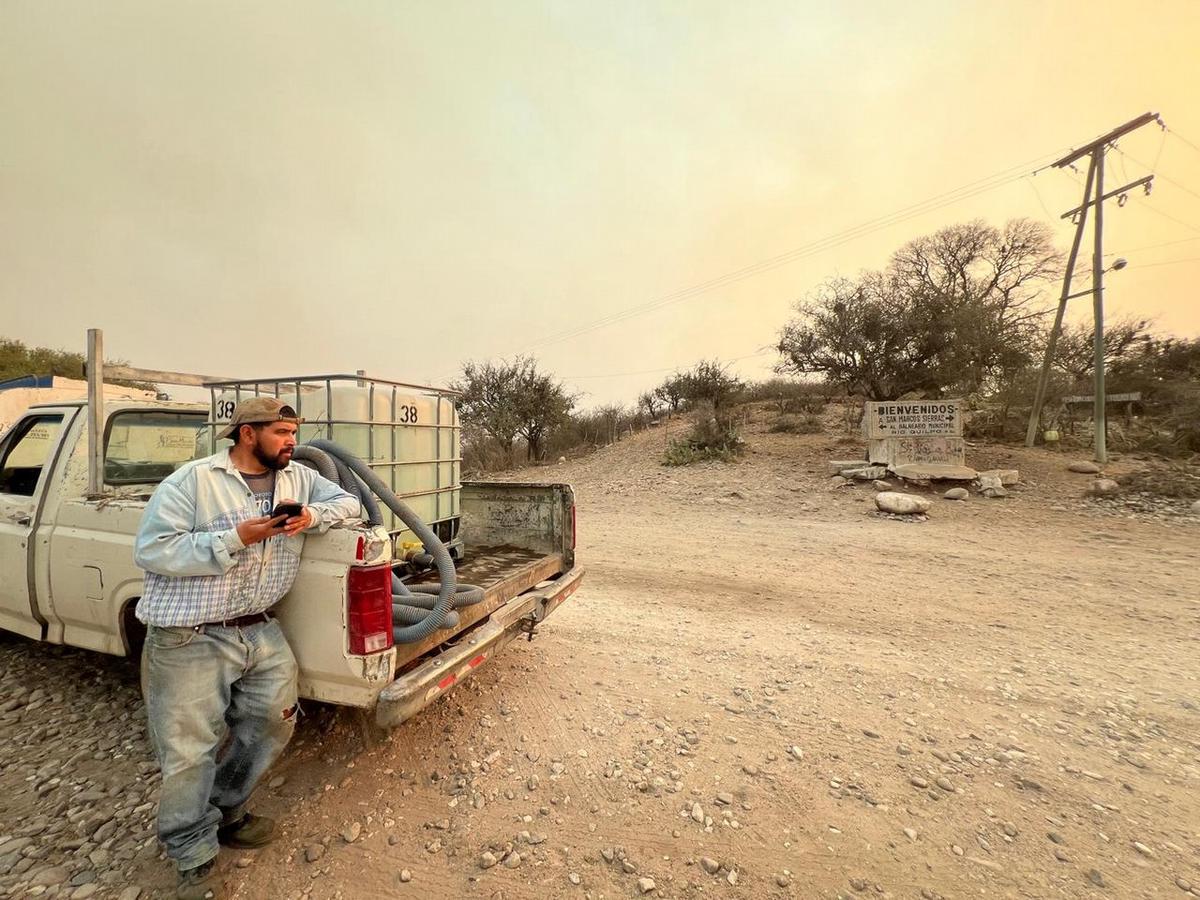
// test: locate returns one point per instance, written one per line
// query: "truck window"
(26, 452)
(145, 446)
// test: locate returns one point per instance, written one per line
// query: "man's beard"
(276, 462)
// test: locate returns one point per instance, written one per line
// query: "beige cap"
(257, 411)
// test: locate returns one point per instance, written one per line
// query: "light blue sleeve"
(330, 505)
(167, 545)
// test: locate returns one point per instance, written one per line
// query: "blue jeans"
(221, 705)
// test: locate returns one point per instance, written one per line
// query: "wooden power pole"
(1093, 196)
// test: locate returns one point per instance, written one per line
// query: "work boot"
(247, 833)
(200, 883)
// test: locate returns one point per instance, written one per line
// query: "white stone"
(1083, 467)
(901, 504)
(934, 472)
(836, 465)
(1008, 477)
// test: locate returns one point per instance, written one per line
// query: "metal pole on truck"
(95, 410)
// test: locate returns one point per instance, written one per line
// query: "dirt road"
(763, 690)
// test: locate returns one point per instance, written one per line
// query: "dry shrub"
(1170, 480)
(806, 424)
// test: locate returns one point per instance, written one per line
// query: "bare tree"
(542, 405)
(505, 399)
(672, 392)
(1075, 353)
(490, 391)
(953, 310)
(610, 417)
(649, 401)
(709, 382)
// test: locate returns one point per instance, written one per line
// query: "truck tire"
(133, 632)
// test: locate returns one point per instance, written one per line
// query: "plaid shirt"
(197, 568)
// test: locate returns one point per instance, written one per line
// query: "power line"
(1177, 184)
(1038, 194)
(964, 192)
(1175, 134)
(1153, 246)
(1177, 221)
(667, 369)
(1167, 262)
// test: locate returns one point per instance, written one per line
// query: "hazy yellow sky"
(277, 188)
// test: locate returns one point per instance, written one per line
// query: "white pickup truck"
(67, 574)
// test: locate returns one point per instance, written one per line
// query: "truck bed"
(503, 572)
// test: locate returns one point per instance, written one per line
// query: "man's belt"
(239, 621)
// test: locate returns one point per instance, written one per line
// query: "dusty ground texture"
(764, 689)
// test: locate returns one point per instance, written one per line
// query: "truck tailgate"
(437, 674)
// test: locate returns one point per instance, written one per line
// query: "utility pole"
(1095, 177)
(1099, 423)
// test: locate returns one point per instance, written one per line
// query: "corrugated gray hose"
(339, 473)
(420, 622)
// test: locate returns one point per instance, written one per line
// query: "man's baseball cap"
(258, 411)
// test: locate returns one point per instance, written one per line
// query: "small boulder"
(1007, 476)
(995, 493)
(836, 465)
(957, 494)
(1083, 467)
(901, 504)
(1196, 508)
(881, 485)
(1104, 487)
(866, 473)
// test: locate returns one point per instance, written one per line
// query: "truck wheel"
(372, 735)
(133, 632)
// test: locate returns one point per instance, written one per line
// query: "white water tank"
(411, 439)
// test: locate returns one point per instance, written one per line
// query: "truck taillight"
(369, 608)
(572, 527)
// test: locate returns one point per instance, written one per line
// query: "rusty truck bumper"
(416, 689)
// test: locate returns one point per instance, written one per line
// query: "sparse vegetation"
(805, 424)
(709, 438)
(956, 313)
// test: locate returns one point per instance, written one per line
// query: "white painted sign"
(912, 418)
(936, 449)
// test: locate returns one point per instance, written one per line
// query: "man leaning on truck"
(217, 673)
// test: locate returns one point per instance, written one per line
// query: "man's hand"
(297, 524)
(259, 529)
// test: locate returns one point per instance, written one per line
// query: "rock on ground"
(1104, 487)
(901, 504)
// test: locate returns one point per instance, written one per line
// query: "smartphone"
(287, 509)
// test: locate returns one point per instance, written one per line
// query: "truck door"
(27, 455)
